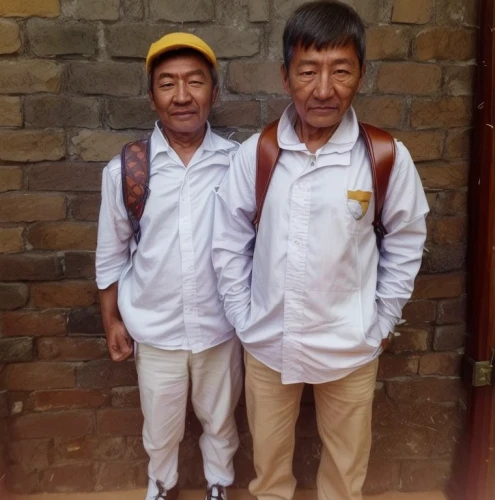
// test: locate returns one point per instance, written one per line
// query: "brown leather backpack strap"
(266, 159)
(381, 150)
(135, 168)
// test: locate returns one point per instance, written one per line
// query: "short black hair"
(324, 24)
(180, 52)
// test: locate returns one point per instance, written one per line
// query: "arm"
(402, 248)
(234, 234)
(112, 254)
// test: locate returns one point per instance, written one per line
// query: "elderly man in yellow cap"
(157, 285)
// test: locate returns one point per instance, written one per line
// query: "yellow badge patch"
(358, 202)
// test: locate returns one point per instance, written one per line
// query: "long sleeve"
(114, 231)
(234, 234)
(402, 249)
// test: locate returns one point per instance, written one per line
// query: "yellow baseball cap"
(174, 41)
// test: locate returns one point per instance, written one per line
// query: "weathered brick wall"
(72, 91)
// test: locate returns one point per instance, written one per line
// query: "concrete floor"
(199, 495)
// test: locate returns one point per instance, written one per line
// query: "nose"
(324, 87)
(182, 95)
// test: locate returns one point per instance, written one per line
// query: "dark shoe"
(216, 492)
(171, 494)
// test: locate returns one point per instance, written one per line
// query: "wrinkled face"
(183, 93)
(323, 84)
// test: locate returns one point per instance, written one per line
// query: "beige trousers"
(343, 412)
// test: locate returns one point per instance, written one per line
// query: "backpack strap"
(135, 170)
(381, 151)
(267, 156)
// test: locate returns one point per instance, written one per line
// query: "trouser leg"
(216, 376)
(163, 385)
(272, 410)
(343, 411)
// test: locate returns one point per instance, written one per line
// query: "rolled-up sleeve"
(234, 234)
(114, 229)
(402, 248)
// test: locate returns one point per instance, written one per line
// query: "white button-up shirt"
(314, 298)
(168, 294)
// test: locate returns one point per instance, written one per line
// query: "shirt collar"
(342, 140)
(212, 142)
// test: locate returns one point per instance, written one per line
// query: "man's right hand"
(119, 342)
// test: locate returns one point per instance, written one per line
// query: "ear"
(152, 101)
(215, 95)
(285, 78)
(362, 77)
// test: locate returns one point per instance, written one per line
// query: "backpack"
(381, 150)
(135, 170)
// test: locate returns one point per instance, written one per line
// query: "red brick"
(450, 203)
(30, 267)
(30, 207)
(253, 77)
(236, 114)
(22, 479)
(106, 373)
(69, 399)
(383, 475)
(418, 12)
(64, 294)
(70, 424)
(30, 376)
(387, 42)
(11, 177)
(80, 265)
(448, 337)
(13, 296)
(126, 397)
(458, 12)
(446, 231)
(30, 452)
(408, 78)
(120, 422)
(444, 258)
(452, 311)
(459, 80)
(15, 349)
(392, 366)
(411, 339)
(94, 448)
(119, 475)
(4, 405)
(135, 448)
(275, 107)
(439, 113)
(11, 240)
(28, 8)
(440, 286)
(71, 349)
(444, 44)
(423, 146)
(85, 321)
(458, 144)
(437, 390)
(63, 236)
(447, 364)
(381, 111)
(68, 479)
(420, 430)
(425, 475)
(30, 145)
(419, 311)
(85, 207)
(33, 323)
(65, 177)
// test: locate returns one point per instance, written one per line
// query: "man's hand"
(119, 342)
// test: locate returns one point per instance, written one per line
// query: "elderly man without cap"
(159, 296)
(312, 297)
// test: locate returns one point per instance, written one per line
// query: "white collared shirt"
(167, 286)
(314, 298)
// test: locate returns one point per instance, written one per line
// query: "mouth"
(323, 109)
(183, 114)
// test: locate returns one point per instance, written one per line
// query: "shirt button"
(296, 242)
(312, 163)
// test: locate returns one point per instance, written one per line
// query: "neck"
(313, 137)
(185, 144)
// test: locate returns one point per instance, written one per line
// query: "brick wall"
(72, 91)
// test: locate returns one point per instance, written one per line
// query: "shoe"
(171, 494)
(216, 492)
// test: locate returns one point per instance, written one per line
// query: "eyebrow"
(312, 62)
(194, 72)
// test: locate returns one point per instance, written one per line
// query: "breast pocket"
(358, 203)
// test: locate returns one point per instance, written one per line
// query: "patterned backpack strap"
(135, 167)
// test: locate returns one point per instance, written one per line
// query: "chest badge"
(358, 203)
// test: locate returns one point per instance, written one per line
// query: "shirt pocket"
(358, 203)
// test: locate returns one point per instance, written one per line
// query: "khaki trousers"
(343, 412)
